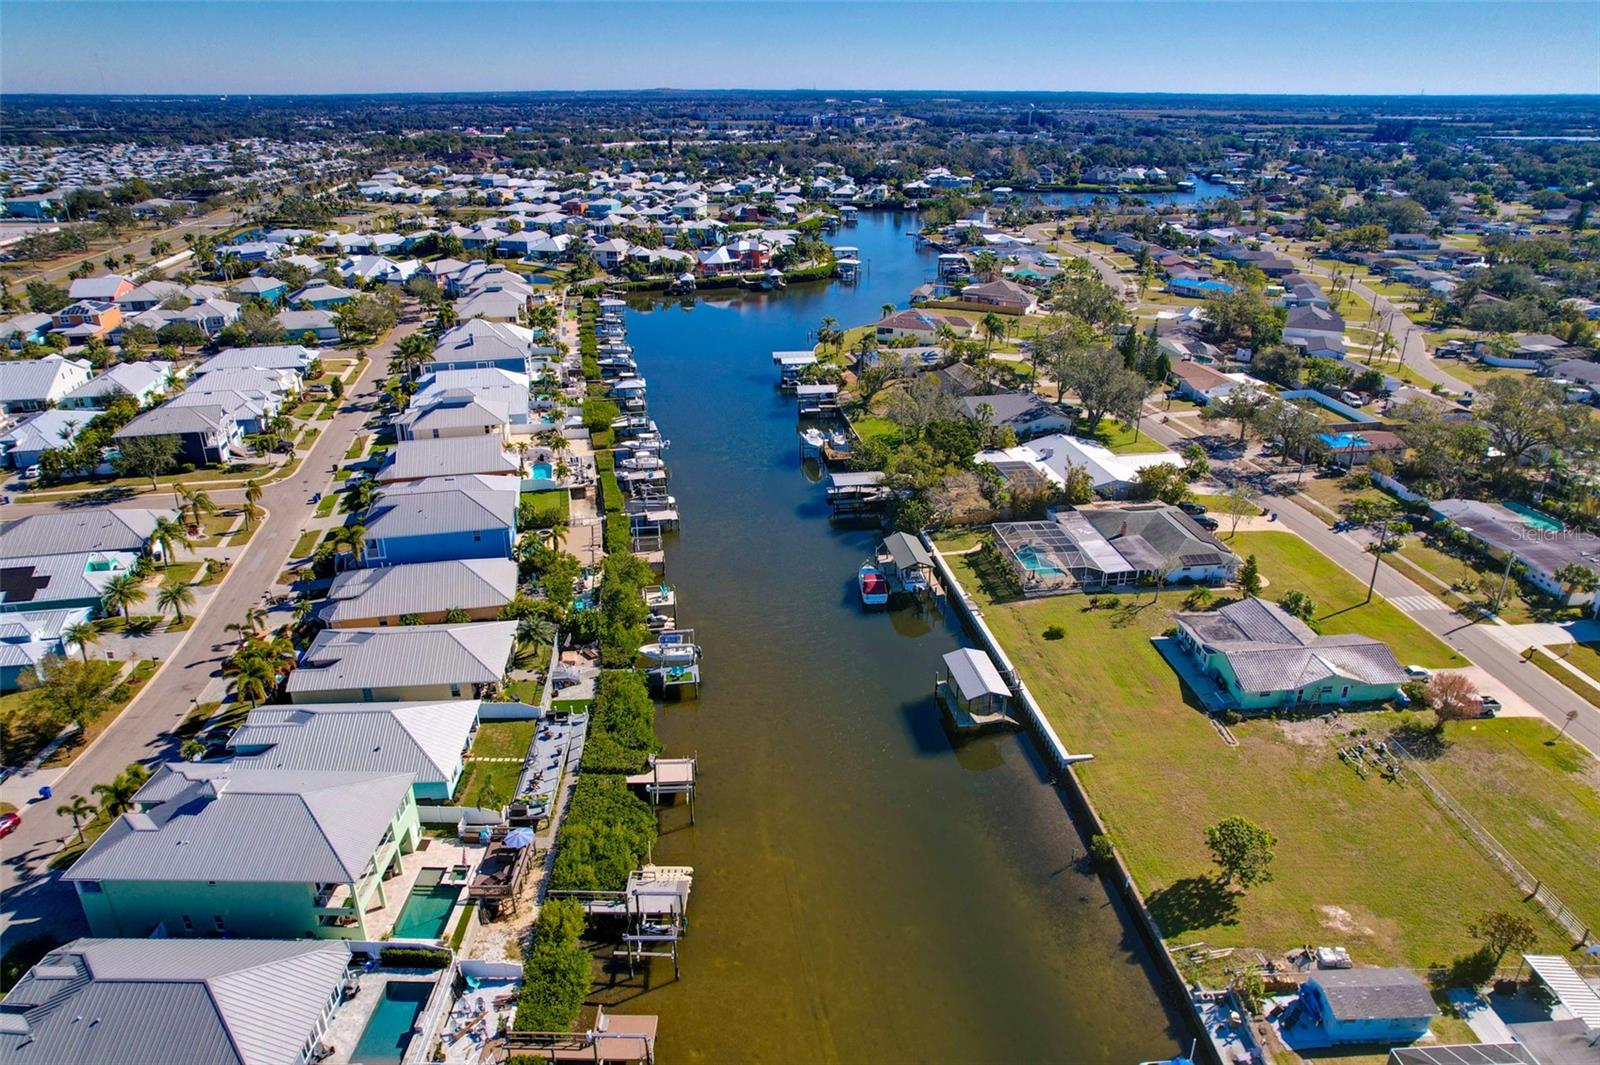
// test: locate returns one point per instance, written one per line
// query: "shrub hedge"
(556, 972)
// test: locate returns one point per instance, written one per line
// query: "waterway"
(1203, 190)
(866, 889)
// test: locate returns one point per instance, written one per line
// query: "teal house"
(210, 850)
(1261, 657)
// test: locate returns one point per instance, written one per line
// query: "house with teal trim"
(1262, 657)
(211, 850)
(426, 740)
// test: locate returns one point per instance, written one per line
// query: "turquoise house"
(1376, 1006)
(1261, 657)
(211, 850)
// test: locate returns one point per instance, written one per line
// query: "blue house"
(1363, 1006)
(260, 287)
(442, 518)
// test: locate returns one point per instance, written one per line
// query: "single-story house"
(1200, 383)
(261, 287)
(1263, 657)
(125, 529)
(922, 325)
(424, 741)
(263, 357)
(1355, 446)
(210, 850)
(172, 1000)
(361, 269)
(27, 638)
(1311, 323)
(106, 288)
(321, 296)
(1113, 475)
(1367, 1005)
(383, 595)
(1537, 541)
(322, 326)
(412, 460)
(403, 663)
(1022, 412)
(1005, 296)
(1098, 547)
(34, 384)
(30, 328)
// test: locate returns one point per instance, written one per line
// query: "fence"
(1521, 874)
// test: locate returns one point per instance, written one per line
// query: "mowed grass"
(1117, 437)
(503, 739)
(1288, 562)
(1367, 863)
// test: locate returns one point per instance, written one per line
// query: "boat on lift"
(672, 648)
(872, 585)
(643, 461)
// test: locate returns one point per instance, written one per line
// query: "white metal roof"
(1573, 991)
(974, 675)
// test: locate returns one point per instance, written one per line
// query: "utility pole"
(1377, 557)
(1505, 578)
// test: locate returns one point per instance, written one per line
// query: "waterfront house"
(1101, 546)
(1023, 413)
(1113, 475)
(440, 518)
(1008, 297)
(141, 381)
(1539, 542)
(207, 433)
(1262, 657)
(412, 460)
(921, 325)
(210, 850)
(490, 385)
(171, 1001)
(459, 412)
(408, 662)
(424, 741)
(480, 344)
(34, 384)
(1366, 1005)
(425, 591)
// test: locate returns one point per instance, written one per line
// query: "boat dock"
(791, 366)
(851, 493)
(668, 778)
(972, 693)
(817, 401)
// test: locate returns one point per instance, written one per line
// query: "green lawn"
(1522, 604)
(1475, 374)
(307, 542)
(875, 427)
(503, 739)
(550, 507)
(1288, 562)
(1220, 504)
(1583, 658)
(482, 777)
(187, 572)
(325, 507)
(1120, 438)
(1365, 862)
(357, 448)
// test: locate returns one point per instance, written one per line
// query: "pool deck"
(440, 853)
(353, 1014)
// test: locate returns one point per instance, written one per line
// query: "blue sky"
(243, 46)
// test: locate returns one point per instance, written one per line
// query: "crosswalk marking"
(1417, 604)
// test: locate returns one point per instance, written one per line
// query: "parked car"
(1418, 672)
(1489, 705)
(31, 473)
(1192, 508)
(1206, 522)
(9, 823)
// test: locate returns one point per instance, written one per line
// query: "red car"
(9, 823)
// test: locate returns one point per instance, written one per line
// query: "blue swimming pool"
(1342, 440)
(427, 909)
(1034, 564)
(388, 1031)
(543, 471)
(1534, 516)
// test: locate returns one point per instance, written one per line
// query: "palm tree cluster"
(254, 670)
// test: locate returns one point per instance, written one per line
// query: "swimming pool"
(427, 908)
(388, 1030)
(1342, 440)
(1534, 516)
(1034, 564)
(543, 471)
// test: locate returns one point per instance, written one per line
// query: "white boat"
(642, 462)
(813, 438)
(874, 589)
(672, 649)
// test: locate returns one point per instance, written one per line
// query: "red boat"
(874, 589)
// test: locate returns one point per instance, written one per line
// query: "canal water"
(1203, 190)
(866, 889)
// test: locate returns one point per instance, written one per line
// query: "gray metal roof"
(907, 551)
(210, 822)
(425, 740)
(71, 531)
(446, 457)
(170, 418)
(403, 656)
(171, 1002)
(1374, 994)
(447, 510)
(391, 591)
(1270, 650)
(974, 675)
(266, 357)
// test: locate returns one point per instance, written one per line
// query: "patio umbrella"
(519, 837)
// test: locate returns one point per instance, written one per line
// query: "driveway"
(32, 899)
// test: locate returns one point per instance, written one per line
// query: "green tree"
(168, 533)
(84, 634)
(123, 592)
(1298, 604)
(174, 595)
(80, 810)
(1250, 577)
(1503, 932)
(116, 797)
(1242, 849)
(147, 456)
(1576, 577)
(1164, 481)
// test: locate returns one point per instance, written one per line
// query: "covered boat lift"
(851, 492)
(973, 692)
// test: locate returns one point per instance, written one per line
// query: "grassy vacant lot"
(1289, 562)
(1365, 862)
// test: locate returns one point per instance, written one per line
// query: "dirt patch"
(1310, 732)
(1338, 919)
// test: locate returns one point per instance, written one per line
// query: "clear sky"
(245, 46)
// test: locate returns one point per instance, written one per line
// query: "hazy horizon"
(250, 47)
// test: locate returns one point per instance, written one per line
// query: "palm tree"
(123, 591)
(167, 533)
(252, 514)
(887, 310)
(117, 796)
(200, 503)
(994, 327)
(250, 680)
(174, 595)
(456, 616)
(80, 810)
(83, 634)
(252, 492)
(354, 537)
(192, 750)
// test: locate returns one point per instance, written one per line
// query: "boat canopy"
(907, 551)
(974, 675)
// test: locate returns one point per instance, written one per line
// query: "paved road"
(32, 899)
(1477, 642)
(1045, 233)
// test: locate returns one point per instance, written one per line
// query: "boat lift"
(668, 777)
